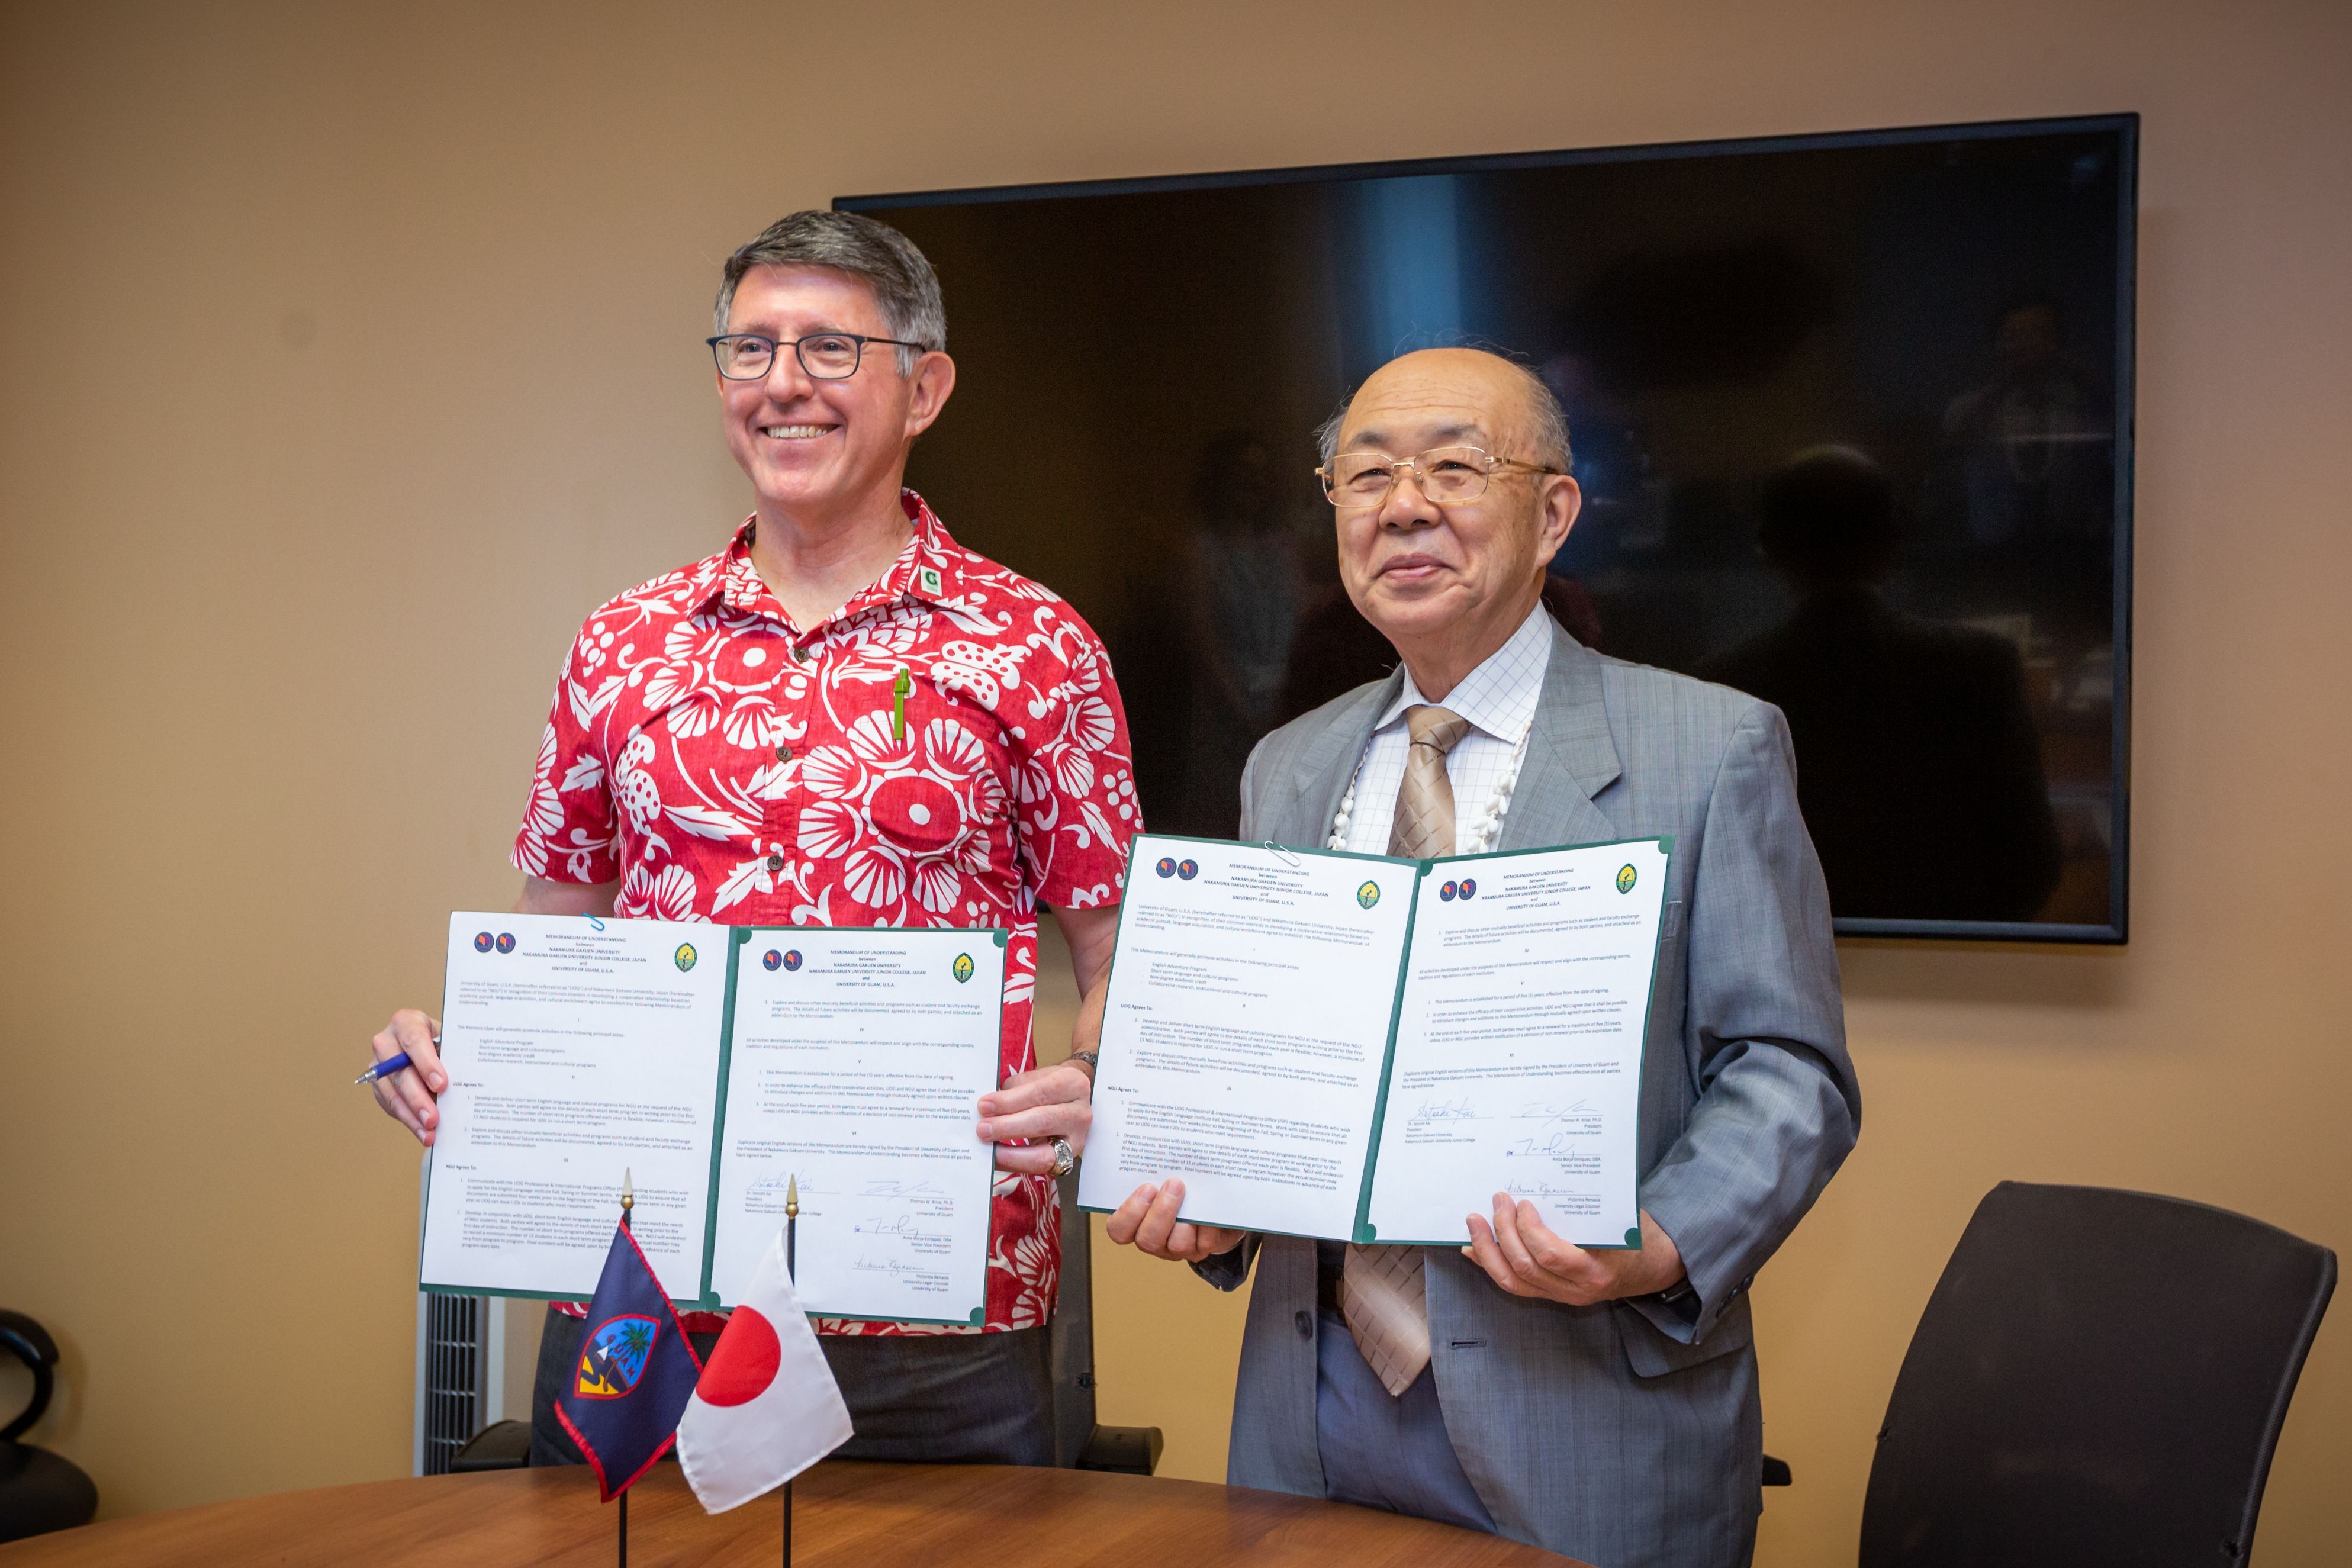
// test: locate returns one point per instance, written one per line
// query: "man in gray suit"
(1601, 1404)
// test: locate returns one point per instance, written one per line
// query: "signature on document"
(1430, 1110)
(899, 1189)
(1580, 1117)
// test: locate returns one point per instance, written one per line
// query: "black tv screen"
(1851, 415)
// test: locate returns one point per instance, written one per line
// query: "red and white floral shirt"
(729, 765)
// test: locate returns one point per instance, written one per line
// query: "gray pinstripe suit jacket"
(1629, 1433)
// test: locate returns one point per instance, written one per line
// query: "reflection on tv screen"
(1851, 415)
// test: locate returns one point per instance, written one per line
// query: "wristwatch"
(1089, 1059)
(1681, 1298)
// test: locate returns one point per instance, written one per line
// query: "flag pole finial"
(792, 1196)
(628, 1193)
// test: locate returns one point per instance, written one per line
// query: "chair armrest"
(1130, 1451)
(503, 1446)
(29, 1343)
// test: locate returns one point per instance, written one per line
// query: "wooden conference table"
(846, 1516)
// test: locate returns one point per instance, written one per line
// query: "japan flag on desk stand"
(767, 1407)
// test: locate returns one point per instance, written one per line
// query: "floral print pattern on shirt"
(726, 765)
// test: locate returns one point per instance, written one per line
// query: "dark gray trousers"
(979, 1399)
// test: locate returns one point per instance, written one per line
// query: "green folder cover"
(738, 943)
(1363, 1231)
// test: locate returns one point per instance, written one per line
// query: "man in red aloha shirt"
(846, 718)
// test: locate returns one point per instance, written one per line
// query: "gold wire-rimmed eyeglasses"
(1447, 475)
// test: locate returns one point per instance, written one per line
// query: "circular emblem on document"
(1469, 887)
(481, 941)
(1368, 895)
(506, 941)
(1626, 877)
(791, 959)
(1188, 870)
(962, 967)
(1167, 866)
(685, 956)
(1445, 893)
(771, 959)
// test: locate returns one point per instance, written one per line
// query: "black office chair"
(2099, 1377)
(39, 1492)
(1079, 1442)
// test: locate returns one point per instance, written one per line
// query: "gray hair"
(1551, 432)
(904, 287)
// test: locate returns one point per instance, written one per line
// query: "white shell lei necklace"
(1483, 832)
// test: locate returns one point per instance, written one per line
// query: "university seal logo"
(771, 959)
(615, 1357)
(1445, 893)
(1188, 870)
(962, 967)
(1469, 887)
(1368, 895)
(1167, 866)
(481, 941)
(1626, 877)
(685, 956)
(792, 958)
(506, 941)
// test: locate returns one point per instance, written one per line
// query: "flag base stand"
(791, 1271)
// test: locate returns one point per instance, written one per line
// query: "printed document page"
(1251, 995)
(576, 1048)
(1517, 1065)
(858, 1061)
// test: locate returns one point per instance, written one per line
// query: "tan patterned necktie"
(1381, 1290)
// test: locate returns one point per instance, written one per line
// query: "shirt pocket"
(946, 796)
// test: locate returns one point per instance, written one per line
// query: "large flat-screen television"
(1851, 416)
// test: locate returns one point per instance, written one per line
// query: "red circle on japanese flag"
(743, 1363)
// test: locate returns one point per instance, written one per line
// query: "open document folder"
(713, 1064)
(1356, 1047)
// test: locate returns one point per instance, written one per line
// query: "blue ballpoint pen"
(388, 1066)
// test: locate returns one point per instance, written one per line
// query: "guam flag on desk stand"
(635, 1372)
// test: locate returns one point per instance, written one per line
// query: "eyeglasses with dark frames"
(825, 356)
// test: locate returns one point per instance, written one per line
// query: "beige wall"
(347, 357)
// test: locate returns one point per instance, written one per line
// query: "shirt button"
(784, 753)
(802, 654)
(775, 863)
(1305, 1320)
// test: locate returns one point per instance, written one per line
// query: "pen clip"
(1287, 857)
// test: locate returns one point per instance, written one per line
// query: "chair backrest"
(1071, 1341)
(2099, 1377)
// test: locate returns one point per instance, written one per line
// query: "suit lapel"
(1570, 758)
(1326, 764)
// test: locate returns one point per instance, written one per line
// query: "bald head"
(1448, 584)
(1504, 384)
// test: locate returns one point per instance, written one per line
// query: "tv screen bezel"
(2123, 126)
